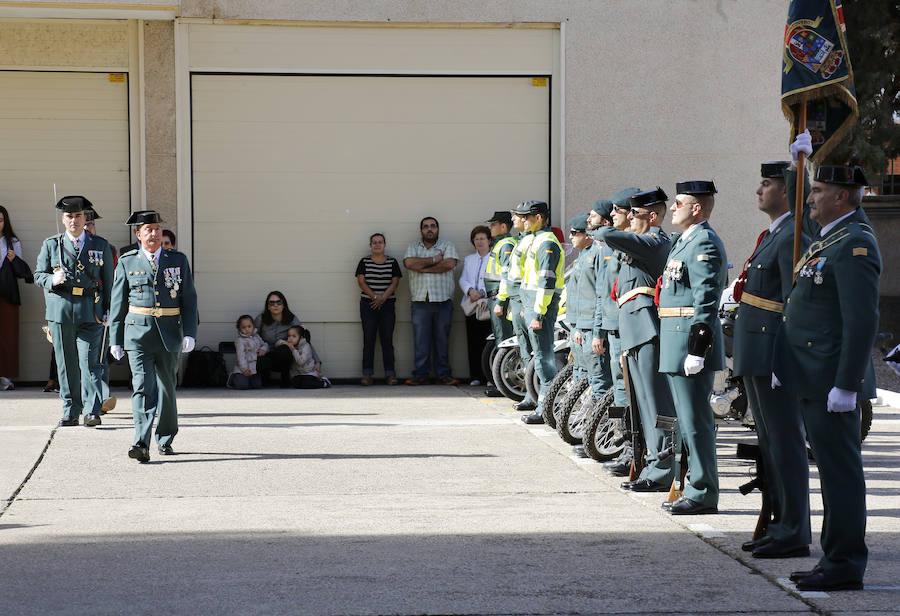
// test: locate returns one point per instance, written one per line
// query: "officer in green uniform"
(109, 402)
(497, 266)
(154, 318)
(823, 357)
(691, 345)
(761, 291)
(75, 270)
(581, 305)
(542, 284)
(642, 254)
(612, 212)
(509, 296)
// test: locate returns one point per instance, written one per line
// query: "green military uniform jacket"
(581, 288)
(696, 272)
(606, 312)
(171, 287)
(769, 282)
(641, 261)
(84, 296)
(831, 315)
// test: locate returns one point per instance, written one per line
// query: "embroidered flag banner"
(817, 73)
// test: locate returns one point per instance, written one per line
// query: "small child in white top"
(248, 346)
(303, 371)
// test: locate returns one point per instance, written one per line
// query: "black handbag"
(205, 368)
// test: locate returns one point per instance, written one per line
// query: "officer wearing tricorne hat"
(497, 266)
(581, 307)
(610, 212)
(154, 318)
(691, 344)
(542, 285)
(642, 254)
(761, 291)
(823, 358)
(509, 301)
(75, 270)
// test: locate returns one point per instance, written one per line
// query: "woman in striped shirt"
(378, 276)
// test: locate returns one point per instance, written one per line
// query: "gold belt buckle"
(77, 291)
(156, 312)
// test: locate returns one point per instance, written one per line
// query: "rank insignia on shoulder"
(703, 257)
(860, 252)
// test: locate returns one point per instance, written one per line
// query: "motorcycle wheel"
(509, 373)
(487, 356)
(573, 412)
(603, 439)
(532, 382)
(559, 385)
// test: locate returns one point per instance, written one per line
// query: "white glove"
(841, 400)
(693, 364)
(105, 319)
(59, 276)
(117, 352)
(775, 381)
(187, 345)
(803, 143)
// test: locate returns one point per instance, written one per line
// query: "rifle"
(745, 451)
(634, 429)
(670, 424)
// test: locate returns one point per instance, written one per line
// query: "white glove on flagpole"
(693, 364)
(58, 277)
(841, 400)
(187, 345)
(803, 143)
(775, 382)
(117, 352)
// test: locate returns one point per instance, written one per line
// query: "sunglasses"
(275, 302)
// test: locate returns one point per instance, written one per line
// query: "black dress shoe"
(139, 453)
(824, 580)
(579, 451)
(493, 392)
(68, 421)
(777, 549)
(92, 420)
(749, 546)
(525, 405)
(534, 418)
(618, 469)
(686, 506)
(798, 575)
(667, 505)
(166, 450)
(626, 485)
(646, 485)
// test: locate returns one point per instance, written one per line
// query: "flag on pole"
(817, 73)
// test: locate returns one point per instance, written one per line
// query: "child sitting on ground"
(304, 372)
(248, 346)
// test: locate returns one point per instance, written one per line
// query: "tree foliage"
(873, 40)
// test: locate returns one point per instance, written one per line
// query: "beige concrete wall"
(159, 98)
(47, 43)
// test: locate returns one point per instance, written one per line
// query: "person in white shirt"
(471, 281)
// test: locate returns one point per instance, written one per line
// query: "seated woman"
(272, 325)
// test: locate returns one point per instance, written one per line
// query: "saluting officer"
(823, 357)
(691, 345)
(542, 285)
(642, 255)
(154, 318)
(75, 270)
(611, 212)
(497, 266)
(761, 291)
(509, 298)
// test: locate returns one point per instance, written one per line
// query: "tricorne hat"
(648, 198)
(144, 217)
(73, 204)
(843, 176)
(695, 187)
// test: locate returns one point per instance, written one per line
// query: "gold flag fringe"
(804, 97)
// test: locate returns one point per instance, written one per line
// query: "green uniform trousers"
(834, 438)
(653, 398)
(77, 348)
(696, 424)
(782, 444)
(542, 343)
(588, 364)
(501, 326)
(153, 379)
(614, 357)
(520, 330)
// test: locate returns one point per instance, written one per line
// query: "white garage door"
(70, 129)
(291, 174)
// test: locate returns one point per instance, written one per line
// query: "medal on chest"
(95, 257)
(172, 276)
(674, 272)
(813, 269)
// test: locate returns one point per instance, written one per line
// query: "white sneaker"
(5, 384)
(474, 383)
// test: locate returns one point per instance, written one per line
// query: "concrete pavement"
(381, 500)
